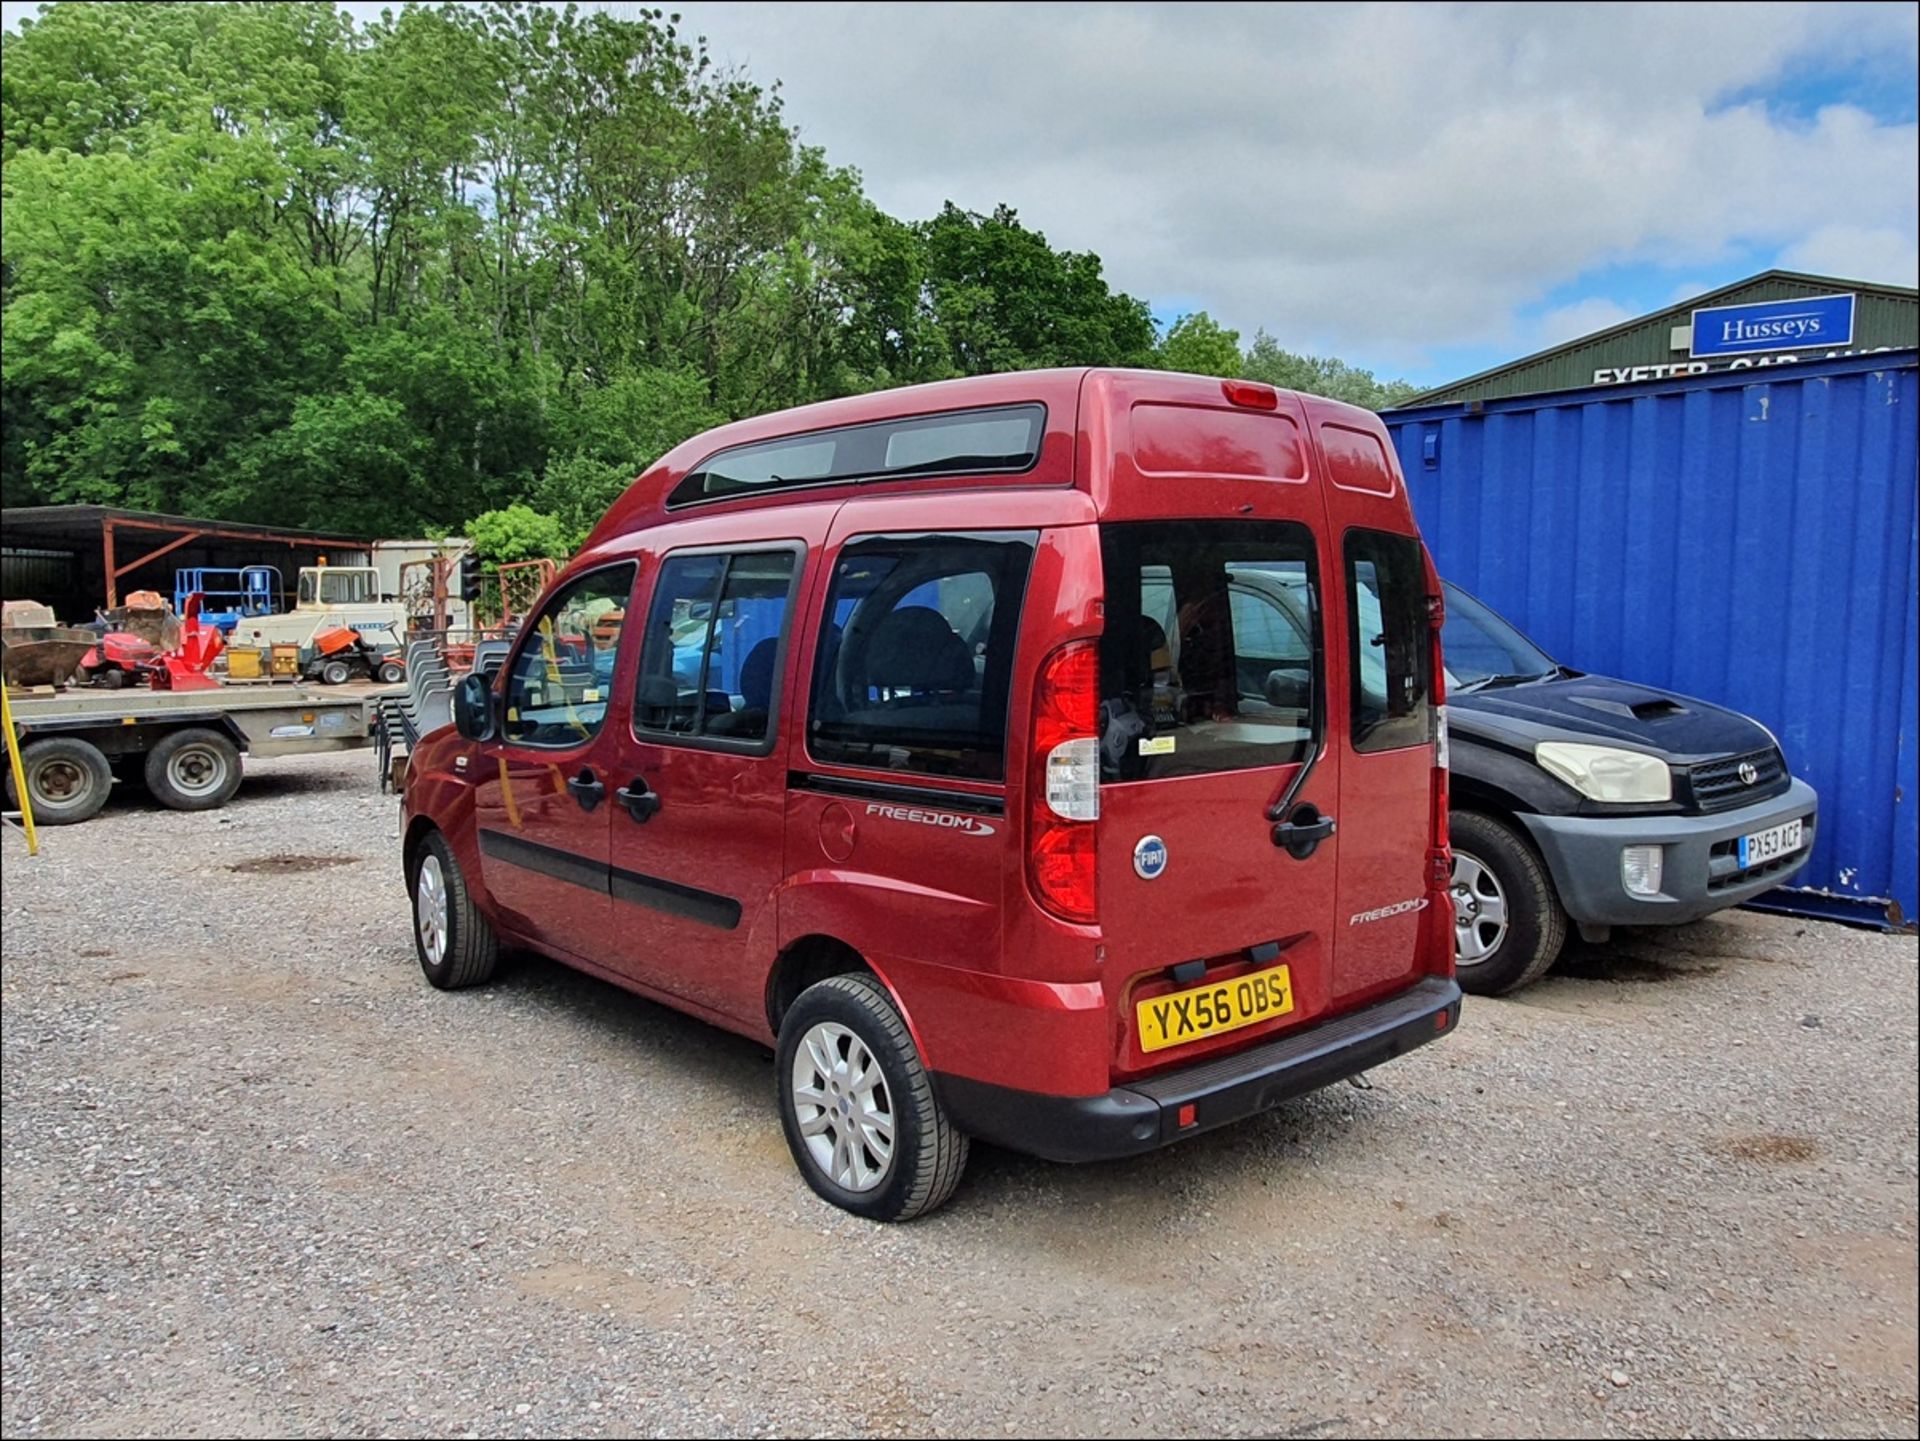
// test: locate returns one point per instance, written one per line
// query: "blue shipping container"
(1748, 537)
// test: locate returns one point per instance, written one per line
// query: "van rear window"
(1210, 658)
(963, 442)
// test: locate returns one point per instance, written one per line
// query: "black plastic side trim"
(709, 908)
(893, 791)
(575, 870)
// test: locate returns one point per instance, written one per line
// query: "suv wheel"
(1508, 926)
(456, 946)
(858, 1107)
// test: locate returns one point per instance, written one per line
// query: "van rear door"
(1212, 688)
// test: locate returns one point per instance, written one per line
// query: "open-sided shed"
(79, 557)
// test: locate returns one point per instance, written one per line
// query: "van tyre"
(456, 946)
(1509, 926)
(193, 770)
(858, 1106)
(67, 779)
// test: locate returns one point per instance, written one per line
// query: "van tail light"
(1063, 783)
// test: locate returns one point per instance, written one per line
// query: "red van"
(1055, 758)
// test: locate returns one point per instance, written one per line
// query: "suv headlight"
(1603, 773)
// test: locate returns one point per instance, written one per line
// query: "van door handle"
(640, 799)
(587, 788)
(1300, 834)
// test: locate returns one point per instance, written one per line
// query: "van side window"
(556, 694)
(915, 661)
(1390, 651)
(715, 631)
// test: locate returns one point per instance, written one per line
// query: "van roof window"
(961, 442)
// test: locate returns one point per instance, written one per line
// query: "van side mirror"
(473, 708)
(1289, 689)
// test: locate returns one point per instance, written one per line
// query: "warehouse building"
(1780, 317)
(1718, 499)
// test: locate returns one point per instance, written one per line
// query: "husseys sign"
(1771, 325)
(1734, 337)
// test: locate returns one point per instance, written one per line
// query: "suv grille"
(1718, 786)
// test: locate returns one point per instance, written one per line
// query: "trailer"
(186, 746)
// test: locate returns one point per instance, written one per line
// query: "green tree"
(1006, 300)
(515, 532)
(1199, 345)
(1335, 379)
(259, 262)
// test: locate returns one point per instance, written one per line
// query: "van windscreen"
(1210, 658)
(965, 442)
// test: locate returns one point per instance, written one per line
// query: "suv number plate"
(1763, 846)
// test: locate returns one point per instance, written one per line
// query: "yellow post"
(19, 773)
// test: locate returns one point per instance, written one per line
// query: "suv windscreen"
(1479, 646)
(1208, 660)
(914, 668)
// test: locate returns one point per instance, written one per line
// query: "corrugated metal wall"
(1884, 317)
(1748, 538)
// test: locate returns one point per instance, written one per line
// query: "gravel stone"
(259, 1179)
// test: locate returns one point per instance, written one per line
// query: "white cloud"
(1582, 317)
(1369, 181)
(1857, 252)
(1372, 181)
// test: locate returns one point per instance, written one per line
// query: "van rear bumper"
(1145, 1115)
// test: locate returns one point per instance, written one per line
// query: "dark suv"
(1578, 798)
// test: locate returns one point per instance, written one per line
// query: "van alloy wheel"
(840, 1100)
(430, 909)
(453, 939)
(1479, 911)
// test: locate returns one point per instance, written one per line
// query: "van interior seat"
(756, 694)
(919, 674)
(915, 649)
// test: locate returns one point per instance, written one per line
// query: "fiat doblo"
(1055, 759)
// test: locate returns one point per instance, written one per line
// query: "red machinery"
(185, 667)
(121, 658)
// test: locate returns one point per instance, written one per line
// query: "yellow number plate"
(1183, 1016)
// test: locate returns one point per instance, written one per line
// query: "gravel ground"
(260, 1179)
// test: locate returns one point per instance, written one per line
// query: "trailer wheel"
(67, 780)
(335, 672)
(193, 770)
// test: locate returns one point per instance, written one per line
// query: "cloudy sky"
(1425, 190)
